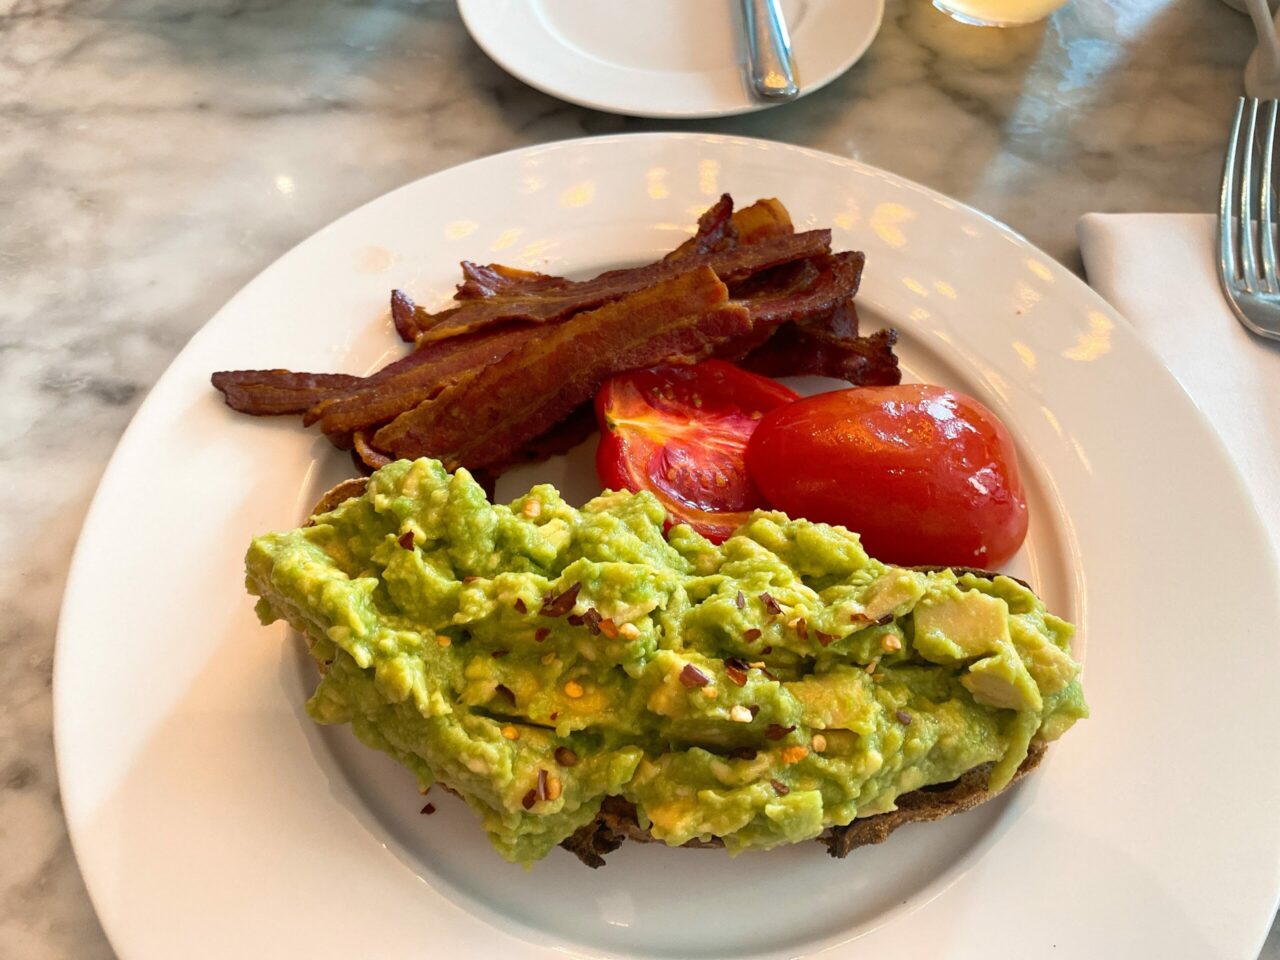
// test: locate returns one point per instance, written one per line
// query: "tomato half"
(681, 433)
(925, 475)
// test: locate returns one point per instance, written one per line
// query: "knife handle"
(769, 50)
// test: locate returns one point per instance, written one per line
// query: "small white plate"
(213, 819)
(662, 58)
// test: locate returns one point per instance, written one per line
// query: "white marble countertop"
(156, 154)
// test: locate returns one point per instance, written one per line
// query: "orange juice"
(999, 13)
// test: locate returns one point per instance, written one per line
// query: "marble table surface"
(156, 154)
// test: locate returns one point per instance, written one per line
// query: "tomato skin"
(681, 433)
(925, 475)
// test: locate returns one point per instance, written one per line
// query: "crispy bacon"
(419, 376)
(762, 220)
(794, 351)
(716, 231)
(497, 280)
(402, 315)
(677, 320)
(269, 393)
(554, 304)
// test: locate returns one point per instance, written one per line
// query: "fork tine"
(1268, 242)
(1248, 258)
(1227, 260)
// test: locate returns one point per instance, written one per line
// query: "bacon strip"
(481, 421)
(729, 265)
(496, 280)
(270, 393)
(415, 378)
(763, 220)
(716, 231)
(794, 351)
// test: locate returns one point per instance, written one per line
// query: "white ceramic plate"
(662, 58)
(213, 819)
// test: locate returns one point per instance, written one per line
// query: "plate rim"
(470, 12)
(79, 559)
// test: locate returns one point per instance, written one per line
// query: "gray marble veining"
(156, 154)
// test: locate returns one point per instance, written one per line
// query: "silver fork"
(1247, 267)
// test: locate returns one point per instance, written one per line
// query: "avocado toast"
(580, 677)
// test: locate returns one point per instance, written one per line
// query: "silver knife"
(769, 50)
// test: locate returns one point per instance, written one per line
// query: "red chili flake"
(575, 620)
(776, 731)
(780, 788)
(554, 715)
(739, 601)
(609, 628)
(499, 654)
(802, 628)
(754, 708)
(736, 670)
(566, 757)
(520, 607)
(542, 785)
(903, 717)
(887, 618)
(406, 540)
(592, 619)
(766, 651)
(768, 674)
(751, 636)
(541, 634)
(428, 809)
(744, 753)
(692, 677)
(824, 638)
(529, 800)
(503, 690)
(770, 604)
(558, 606)
(859, 617)
(470, 579)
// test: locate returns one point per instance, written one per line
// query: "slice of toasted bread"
(617, 820)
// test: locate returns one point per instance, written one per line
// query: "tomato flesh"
(926, 475)
(681, 433)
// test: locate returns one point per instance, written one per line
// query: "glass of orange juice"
(999, 13)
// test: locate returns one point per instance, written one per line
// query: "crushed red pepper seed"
(904, 717)
(565, 757)
(887, 618)
(542, 785)
(541, 634)
(744, 753)
(406, 540)
(776, 731)
(824, 638)
(529, 800)
(780, 788)
(504, 691)
(575, 620)
(692, 677)
(499, 654)
(592, 619)
(736, 670)
(559, 605)
(752, 635)
(740, 601)
(770, 604)
(520, 607)
(428, 809)
(802, 628)
(753, 708)
(766, 651)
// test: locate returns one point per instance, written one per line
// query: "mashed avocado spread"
(537, 658)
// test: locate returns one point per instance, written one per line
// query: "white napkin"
(1160, 272)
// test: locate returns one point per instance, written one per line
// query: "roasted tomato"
(681, 433)
(925, 475)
